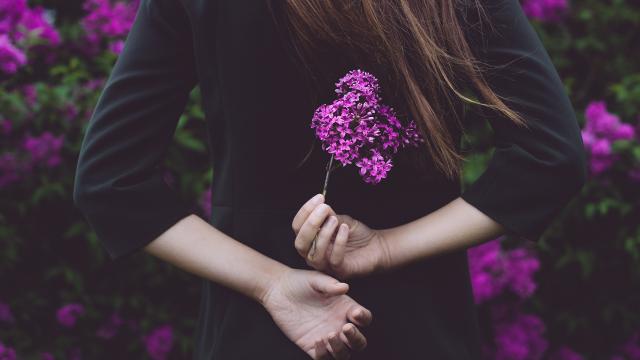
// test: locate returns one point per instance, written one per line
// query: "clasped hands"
(345, 248)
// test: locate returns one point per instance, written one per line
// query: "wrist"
(385, 258)
(268, 280)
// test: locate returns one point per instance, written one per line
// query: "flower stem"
(326, 178)
(324, 193)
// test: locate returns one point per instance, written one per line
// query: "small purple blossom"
(159, 342)
(357, 129)
(545, 10)
(68, 314)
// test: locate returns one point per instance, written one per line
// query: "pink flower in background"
(159, 342)
(494, 270)
(44, 149)
(21, 29)
(68, 314)
(517, 336)
(35, 23)
(110, 20)
(116, 46)
(46, 356)
(11, 58)
(601, 129)
(545, 10)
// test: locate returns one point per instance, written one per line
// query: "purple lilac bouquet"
(358, 129)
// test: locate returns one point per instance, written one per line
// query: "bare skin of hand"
(313, 311)
(353, 250)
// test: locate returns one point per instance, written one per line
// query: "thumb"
(328, 285)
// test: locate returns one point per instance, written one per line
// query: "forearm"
(195, 246)
(454, 226)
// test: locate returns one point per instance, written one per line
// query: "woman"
(262, 69)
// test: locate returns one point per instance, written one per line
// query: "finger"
(311, 227)
(321, 352)
(305, 210)
(339, 245)
(328, 285)
(354, 337)
(338, 348)
(319, 257)
(360, 316)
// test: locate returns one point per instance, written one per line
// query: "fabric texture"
(258, 103)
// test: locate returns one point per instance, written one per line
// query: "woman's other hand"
(345, 247)
(312, 310)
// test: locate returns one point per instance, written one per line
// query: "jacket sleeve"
(535, 172)
(119, 185)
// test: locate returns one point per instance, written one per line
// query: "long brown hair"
(423, 44)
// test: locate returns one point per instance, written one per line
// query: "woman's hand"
(313, 311)
(355, 249)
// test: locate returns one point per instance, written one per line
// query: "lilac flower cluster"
(159, 342)
(107, 20)
(358, 128)
(601, 129)
(68, 314)
(21, 29)
(545, 10)
(494, 270)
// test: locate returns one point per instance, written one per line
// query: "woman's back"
(258, 104)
